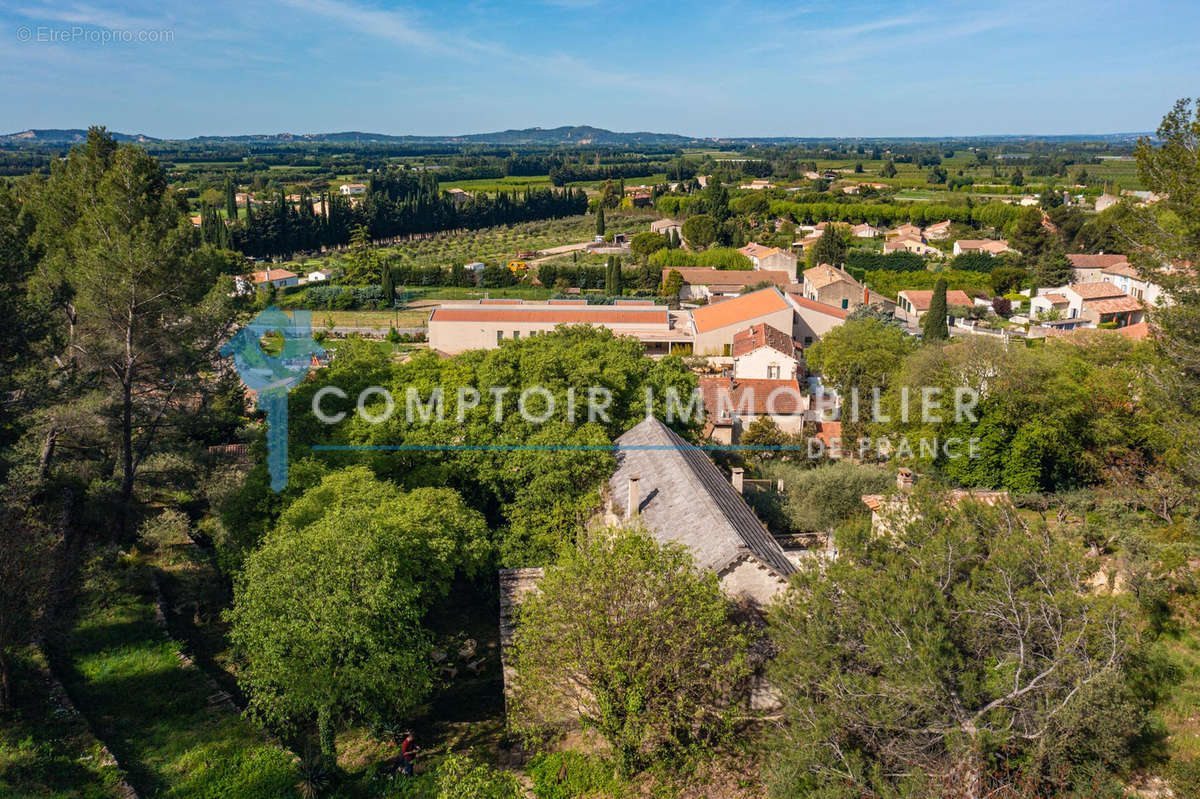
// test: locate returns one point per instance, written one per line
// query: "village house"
(279, 278)
(458, 196)
(913, 303)
(762, 352)
(813, 319)
(910, 244)
(866, 231)
(1096, 303)
(1129, 280)
(716, 324)
(907, 229)
(769, 258)
(665, 226)
(319, 275)
(1105, 201)
(833, 286)
(990, 246)
(937, 231)
(757, 185)
(353, 189)
(1089, 268)
(701, 283)
(732, 404)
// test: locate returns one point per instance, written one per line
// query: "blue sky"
(742, 68)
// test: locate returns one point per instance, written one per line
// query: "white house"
(279, 278)
(990, 246)
(762, 352)
(910, 244)
(319, 275)
(351, 189)
(938, 231)
(769, 258)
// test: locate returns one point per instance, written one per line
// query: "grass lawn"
(378, 320)
(46, 751)
(156, 716)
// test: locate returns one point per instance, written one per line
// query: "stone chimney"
(738, 479)
(635, 498)
(905, 479)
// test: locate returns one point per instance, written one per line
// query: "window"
(726, 350)
(516, 334)
(499, 336)
(773, 372)
(845, 303)
(807, 341)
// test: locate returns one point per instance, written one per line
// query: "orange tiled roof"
(820, 307)
(738, 309)
(762, 335)
(923, 298)
(824, 275)
(757, 397)
(1124, 304)
(1097, 291)
(1085, 261)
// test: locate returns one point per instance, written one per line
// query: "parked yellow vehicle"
(518, 267)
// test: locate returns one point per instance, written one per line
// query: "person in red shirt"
(408, 753)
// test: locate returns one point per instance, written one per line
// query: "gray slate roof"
(684, 498)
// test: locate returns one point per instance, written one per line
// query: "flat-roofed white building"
(486, 324)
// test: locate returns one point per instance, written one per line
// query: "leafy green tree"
(672, 284)
(889, 169)
(1018, 177)
(860, 354)
(1007, 278)
(934, 323)
(626, 636)
(327, 612)
(963, 655)
(700, 230)
(644, 244)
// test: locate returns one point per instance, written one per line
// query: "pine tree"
(933, 325)
(600, 221)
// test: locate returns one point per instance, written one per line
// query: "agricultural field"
(492, 245)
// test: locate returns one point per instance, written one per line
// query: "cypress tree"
(230, 199)
(616, 277)
(933, 325)
(388, 285)
(600, 221)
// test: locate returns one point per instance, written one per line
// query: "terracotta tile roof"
(1085, 261)
(938, 227)
(486, 301)
(762, 335)
(705, 276)
(566, 302)
(921, 299)
(1097, 291)
(739, 309)
(982, 245)
(626, 302)
(596, 314)
(268, 275)
(827, 431)
(819, 307)
(753, 250)
(1124, 304)
(824, 275)
(1122, 269)
(1139, 331)
(1056, 299)
(757, 397)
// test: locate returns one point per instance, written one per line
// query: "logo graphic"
(272, 355)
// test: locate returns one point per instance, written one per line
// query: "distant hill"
(71, 136)
(565, 136)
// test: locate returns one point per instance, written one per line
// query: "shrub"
(716, 258)
(563, 775)
(869, 260)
